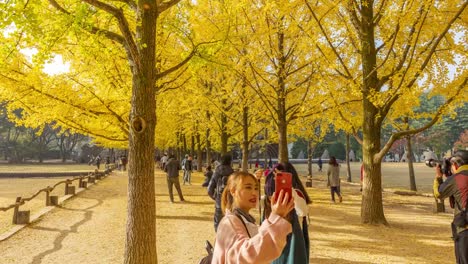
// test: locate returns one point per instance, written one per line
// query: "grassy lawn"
(395, 175)
(47, 167)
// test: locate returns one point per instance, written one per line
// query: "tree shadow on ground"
(181, 217)
(335, 260)
(199, 202)
(412, 231)
(63, 233)
(191, 195)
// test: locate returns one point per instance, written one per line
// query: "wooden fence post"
(69, 189)
(66, 187)
(47, 197)
(20, 217)
(15, 212)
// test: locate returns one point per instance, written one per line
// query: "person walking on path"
(457, 187)
(333, 180)
(187, 167)
(98, 161)
(164, 161)
(217, 184)
(172, 169)
(124, 163)
(320, 164)
(297, 247)
(238, 239)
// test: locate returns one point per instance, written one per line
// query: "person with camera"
(456, 186)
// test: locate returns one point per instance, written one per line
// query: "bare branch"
(104, 135)
(354, 18)
(408, 46)
(111, 111)
(132, 4)
(329, 41)
(379, 15)
(182, 63)
(130, 44)
(166, 5)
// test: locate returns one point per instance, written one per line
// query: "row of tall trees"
(19, 143)
(143, 73)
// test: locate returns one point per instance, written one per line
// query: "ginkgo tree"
(125, 30)
(391, 52)
(282, 68)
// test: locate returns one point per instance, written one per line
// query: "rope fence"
(23, 217)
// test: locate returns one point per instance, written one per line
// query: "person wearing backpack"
(456, 186)
(217, 185)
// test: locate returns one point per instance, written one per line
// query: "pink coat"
(233, 244)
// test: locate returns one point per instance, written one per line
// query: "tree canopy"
(147, 74)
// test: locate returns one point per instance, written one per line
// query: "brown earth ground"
(90, 228)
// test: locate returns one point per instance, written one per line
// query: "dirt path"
(90, 228)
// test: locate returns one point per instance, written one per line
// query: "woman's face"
(246, 194)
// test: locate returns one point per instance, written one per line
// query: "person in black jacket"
(457, 187)
(172, 169)
(217, 184)
(208, 176)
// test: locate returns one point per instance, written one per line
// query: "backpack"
(221, 184)
(461, 219)
(209, 249)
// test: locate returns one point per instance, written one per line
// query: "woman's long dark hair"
(332, 161)
(226, 160)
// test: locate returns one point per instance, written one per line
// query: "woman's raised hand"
(283, 205)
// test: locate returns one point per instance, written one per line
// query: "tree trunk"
(310, 150)
(192, 146)
(140, 244)
(184, 149)
(282, 142)
(372, 206)
(282, 123)
(208, 148)
(348, 166)
(224, 134)
(199, 154)
(410, 163)
(245, 139)
(177, 154)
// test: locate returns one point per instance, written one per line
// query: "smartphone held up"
(283, 181)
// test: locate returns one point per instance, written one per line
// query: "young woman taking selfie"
(239, 239)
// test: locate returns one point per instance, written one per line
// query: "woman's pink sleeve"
(264, 247)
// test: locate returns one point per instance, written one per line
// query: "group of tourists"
(282, 234)
(281, 237)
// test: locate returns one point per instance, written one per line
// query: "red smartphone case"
(283, 181)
